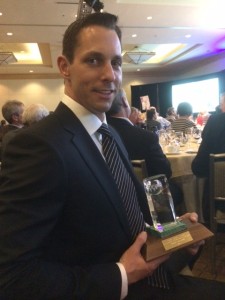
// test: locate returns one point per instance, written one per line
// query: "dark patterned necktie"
(129, 197)
(123, 181)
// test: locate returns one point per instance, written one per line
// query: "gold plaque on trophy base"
(157, 246)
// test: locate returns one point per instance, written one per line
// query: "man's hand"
(135, 265)
(194, 248)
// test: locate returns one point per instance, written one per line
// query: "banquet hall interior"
(164, 43)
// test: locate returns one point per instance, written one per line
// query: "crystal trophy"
(161, 207)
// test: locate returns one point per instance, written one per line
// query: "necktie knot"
(104, 130)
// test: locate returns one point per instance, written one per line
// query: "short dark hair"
(70, 39)
(184, 109)
(150, 113)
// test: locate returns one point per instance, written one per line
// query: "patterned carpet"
(203, 266)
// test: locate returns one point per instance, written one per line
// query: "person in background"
(34, 113)
(218, 109)
(3, 123)
(163, 121)
(183, 122)
(213, 141)
(31, 115)
(12, 111)
(171, 114)
(65, 231)
(202, 118)
(135, 117)
(140, 144)
(151, 120)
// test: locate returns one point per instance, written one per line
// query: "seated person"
(183, 122)
(151, 120)
(141, 144)
(31, 115)
(213, 141)
(12, 111)
(171, 114)
(136, 117)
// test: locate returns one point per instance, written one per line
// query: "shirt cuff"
(124, 286)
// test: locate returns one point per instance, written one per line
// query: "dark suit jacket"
(213, 141)
(62, 222)
(142, 144)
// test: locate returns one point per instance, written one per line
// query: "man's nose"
(108, 72)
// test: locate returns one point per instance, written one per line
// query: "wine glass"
(188, 136)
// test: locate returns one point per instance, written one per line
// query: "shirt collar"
(89, 120)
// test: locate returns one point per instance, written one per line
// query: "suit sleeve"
(32, 187)
(200, 164)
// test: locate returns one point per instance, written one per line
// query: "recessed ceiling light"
(188, 36)
(149, 18)
(31, 71)
(9, 33)
(134, 35)
(0, 14)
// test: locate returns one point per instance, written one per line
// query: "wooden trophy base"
(157, 246)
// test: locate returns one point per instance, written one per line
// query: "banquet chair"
(140, 170)
(216, 197)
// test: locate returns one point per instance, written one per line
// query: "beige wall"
(45, 91)
(49, 91)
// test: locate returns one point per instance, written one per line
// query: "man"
(12, 112)
(213, 141)
(64, 229)
(140, 144)
(31, 115)
(183, 122)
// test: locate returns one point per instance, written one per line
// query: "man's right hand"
(135, 265)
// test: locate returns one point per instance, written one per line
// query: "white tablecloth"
(182, 175)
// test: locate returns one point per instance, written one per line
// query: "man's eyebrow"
(118, 57)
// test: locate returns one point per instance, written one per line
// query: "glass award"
(161, 207)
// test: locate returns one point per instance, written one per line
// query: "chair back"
(218, 174)
(216, 197)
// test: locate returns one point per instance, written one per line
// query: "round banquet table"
(192, 187)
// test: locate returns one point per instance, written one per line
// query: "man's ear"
(124, 102)
(63, 66)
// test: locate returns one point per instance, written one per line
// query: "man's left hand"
(194, 248)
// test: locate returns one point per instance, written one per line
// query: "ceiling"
(171, 35)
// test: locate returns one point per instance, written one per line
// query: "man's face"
(95, 74)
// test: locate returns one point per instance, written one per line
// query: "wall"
(45, 91)
(49, 91)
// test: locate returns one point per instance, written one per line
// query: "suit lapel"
(94, 161)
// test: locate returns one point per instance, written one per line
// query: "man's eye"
(117, 63)
(92, 61)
